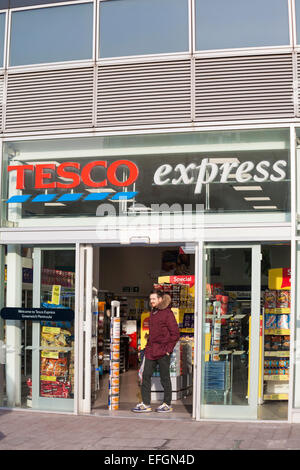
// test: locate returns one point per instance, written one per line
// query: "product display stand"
(276, 345)
(114, 370)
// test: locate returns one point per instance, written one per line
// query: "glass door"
(230, 360)
(53, 338)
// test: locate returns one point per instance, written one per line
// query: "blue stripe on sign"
(18, 199)
(70, 197)
(124, 196)
(96, 196)
(44, 198)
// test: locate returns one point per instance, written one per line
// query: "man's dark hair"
(159, 293)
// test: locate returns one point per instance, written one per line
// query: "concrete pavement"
(29, 430)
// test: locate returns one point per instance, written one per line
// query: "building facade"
(109, 107)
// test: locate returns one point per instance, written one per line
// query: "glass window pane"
(297, 5)
(37, 331)
(52, 34)
(226, 332)
(132, 27)
(239, 23)
(2, 36)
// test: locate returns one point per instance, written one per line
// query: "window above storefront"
(135, 27)
(238, 24)
(2, 37)
(54, 34)
(41, 33)
(233, 175)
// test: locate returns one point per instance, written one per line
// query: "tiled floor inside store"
(130, 395)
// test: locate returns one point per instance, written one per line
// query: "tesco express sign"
(207, 172)
(199, 175)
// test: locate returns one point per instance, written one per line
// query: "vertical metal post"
(13, 328)
(88, 326)
(199, 299)
(255, 324)
(77, 333)
(36, 327)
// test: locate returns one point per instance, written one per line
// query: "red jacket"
(163, 331)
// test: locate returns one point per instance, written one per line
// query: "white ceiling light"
(265, 207)
(223, 160)
(247, 188)
(262, 198)
(54, 204)
(99, 190)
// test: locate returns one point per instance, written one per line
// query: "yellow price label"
(51, 330)
(50, 354)
(48, 378)
(56, 295)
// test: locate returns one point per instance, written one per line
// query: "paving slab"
(28, 430)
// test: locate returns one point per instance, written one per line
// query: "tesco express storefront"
(212, 192)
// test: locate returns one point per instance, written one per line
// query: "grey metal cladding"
(154, 93)
(249, 87)
(1, 100)
(54, 99)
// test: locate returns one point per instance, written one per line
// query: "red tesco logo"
(84, 174)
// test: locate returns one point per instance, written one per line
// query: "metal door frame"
(83, 305)
(42, 403)
(83, 326)
(233, 411)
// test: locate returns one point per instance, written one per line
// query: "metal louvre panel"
(1, 100)
(54, 99)
(297, 87)
(244, 87)
(157, 92)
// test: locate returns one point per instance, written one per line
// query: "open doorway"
(128, 274)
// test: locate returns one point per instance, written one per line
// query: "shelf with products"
(276, 396)
(276, 344)
(56, 359)
(275, 354)
(280, 378)
(226, 333)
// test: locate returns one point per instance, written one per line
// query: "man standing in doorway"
(163, 336)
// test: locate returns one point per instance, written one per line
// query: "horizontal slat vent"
(1, 100)
(297, 87)
(144, 93)
(244, 87)
(50, 100)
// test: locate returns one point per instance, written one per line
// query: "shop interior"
(128, 274)
(228, 278)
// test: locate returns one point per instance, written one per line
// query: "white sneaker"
(164, 408)
(142, 408)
